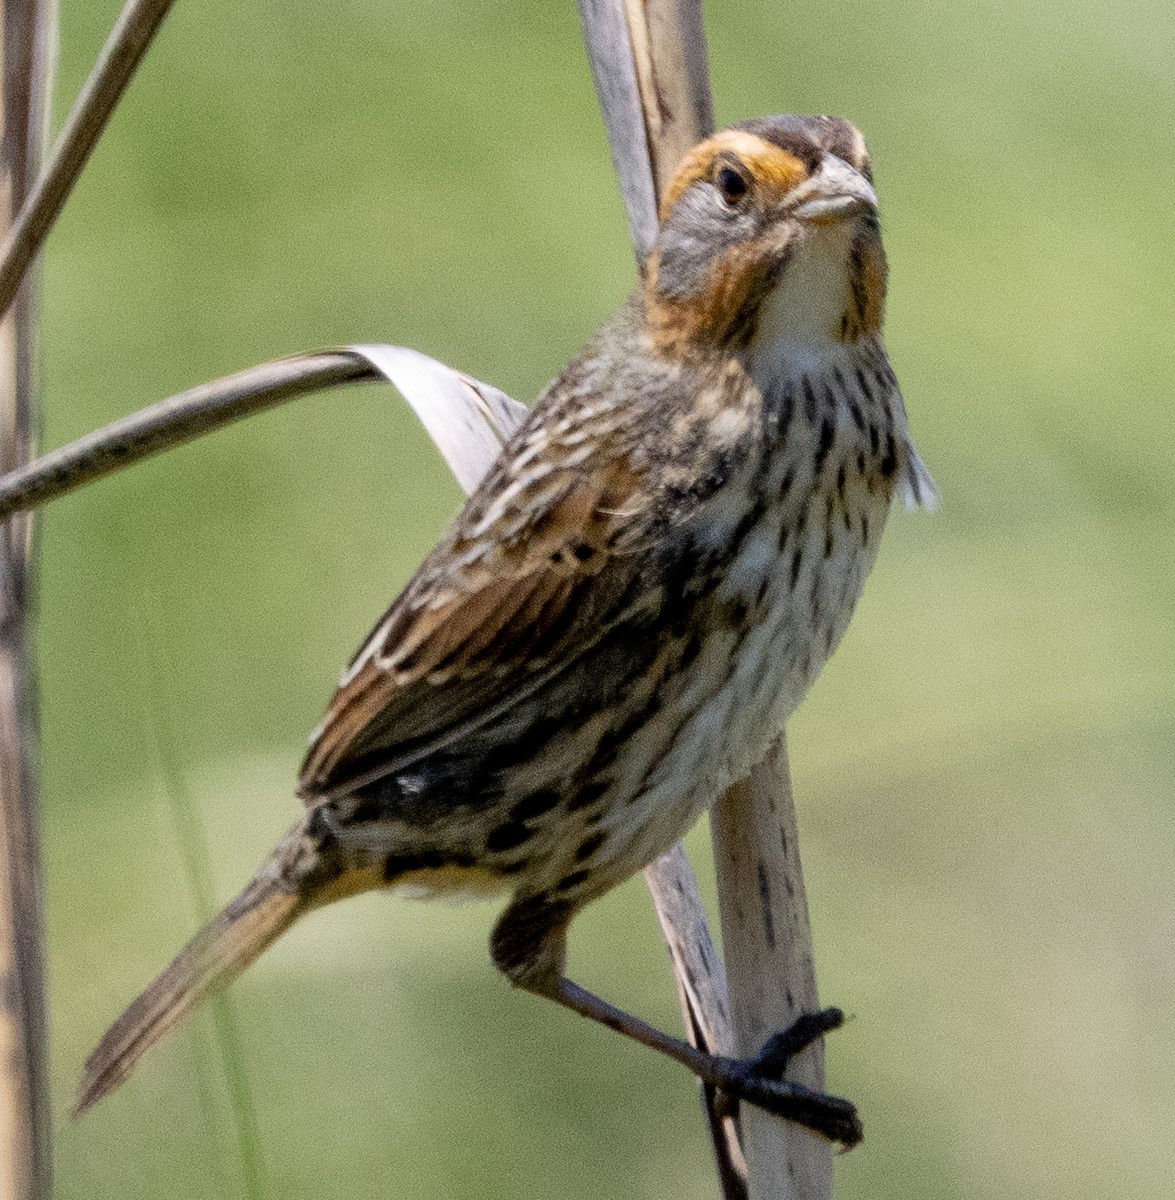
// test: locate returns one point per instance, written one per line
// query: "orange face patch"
(679, 326)
(773, 172)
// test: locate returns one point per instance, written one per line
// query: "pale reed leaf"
(673, 72)
(610, 53)
(467, 419)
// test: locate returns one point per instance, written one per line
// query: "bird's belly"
(668, 724)
(782, 607)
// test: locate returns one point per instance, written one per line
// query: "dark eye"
(732, 184)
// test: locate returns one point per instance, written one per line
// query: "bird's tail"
(304, 872)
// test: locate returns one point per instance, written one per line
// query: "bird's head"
(768, 233)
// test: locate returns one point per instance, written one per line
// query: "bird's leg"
(528, 945)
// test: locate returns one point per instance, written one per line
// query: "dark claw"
(760, 1081)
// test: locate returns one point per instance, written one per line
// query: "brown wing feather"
(516, 591)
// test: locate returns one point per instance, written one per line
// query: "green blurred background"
(984, 774)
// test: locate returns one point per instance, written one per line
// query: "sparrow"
(619, 622)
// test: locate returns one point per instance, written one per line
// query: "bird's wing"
(539, 567)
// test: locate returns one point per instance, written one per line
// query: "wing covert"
(518, 591)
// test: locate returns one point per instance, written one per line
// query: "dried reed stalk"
(26, 49)
(650, 64)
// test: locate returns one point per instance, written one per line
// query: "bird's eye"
(732, 184)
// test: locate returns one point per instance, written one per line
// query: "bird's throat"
(830, 292)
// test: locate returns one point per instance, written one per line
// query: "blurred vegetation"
(984, 774)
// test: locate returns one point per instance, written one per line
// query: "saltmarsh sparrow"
(640, 591)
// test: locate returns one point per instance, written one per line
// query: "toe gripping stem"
(760, 1081)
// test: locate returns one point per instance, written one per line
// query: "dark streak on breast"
(827, 436)
(863, 383)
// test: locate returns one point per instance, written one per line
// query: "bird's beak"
(834, 192)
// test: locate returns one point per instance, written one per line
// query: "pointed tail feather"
(211, 960)
(307, 870)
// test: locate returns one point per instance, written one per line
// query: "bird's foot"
(757, 1080)
(760, 1082)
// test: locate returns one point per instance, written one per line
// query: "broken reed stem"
(704, 996)
(652, 117)
(673, 75)
(608, 41)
